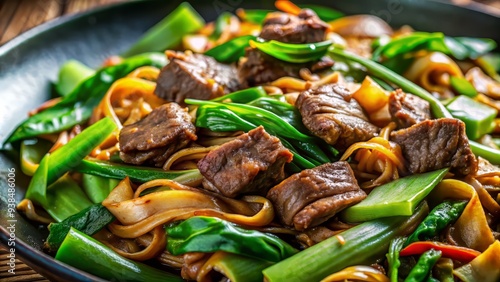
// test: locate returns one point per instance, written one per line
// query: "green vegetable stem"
(87, 254)
(62, 160)
(77, 106)
(422, 270)
(478, 117)
(361, 244)
(411, 190)
(88, 221)
(210, 234)
(168, 32)
(443, 214)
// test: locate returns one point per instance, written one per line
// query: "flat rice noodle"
(471, 229)
(484, 268)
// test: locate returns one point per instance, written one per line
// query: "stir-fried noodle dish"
(292, 145)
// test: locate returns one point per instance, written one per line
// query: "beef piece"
(436, 144)
(306, 27)
(330, 113)
(259, 68)
(407, 109)
(154, 138)
(252, 163)
(189, 75)
(312, 196)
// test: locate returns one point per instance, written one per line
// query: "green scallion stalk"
(88, 254)
(168, 32)
(361, 244)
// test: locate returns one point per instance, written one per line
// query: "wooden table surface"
(17, 16)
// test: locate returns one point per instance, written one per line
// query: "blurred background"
(17, 16)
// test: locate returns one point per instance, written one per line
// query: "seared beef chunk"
(435, 144)
(407, 109)
(330, 113)
(189, 75)
(304, 28)
(312, 196)
(252, 163)
(154, 138)
(259, 68)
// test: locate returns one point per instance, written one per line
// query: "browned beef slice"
(435, 144)
(252, 163)
(189, 75)
(330, 113)
(312, 196)
(408, 109)
(154, 138)
(259, 68)
(306, 27)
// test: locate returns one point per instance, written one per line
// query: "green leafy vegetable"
(168, 32)
(443, 214)
(88, 221)
(293, 53)
(411, 190)
(232, 117)
(71, 74)
(361, 244)
(65, 158)
(135, 173)
(232, 50)
(393, 258)
(459, 47)
(422, 270)
(77, 106)
(243, 96)
(88, 254)
(478, 117)
(210, 234)
(438, 109)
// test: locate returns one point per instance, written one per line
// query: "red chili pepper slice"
(454, 252)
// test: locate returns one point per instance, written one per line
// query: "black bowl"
(30, 62)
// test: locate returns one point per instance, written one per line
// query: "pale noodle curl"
(377, 156)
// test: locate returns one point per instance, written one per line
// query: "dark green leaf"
(231, 51)
(293, 53)
(135, 173)
(88, 221)
(210, 234)
(459, 47)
